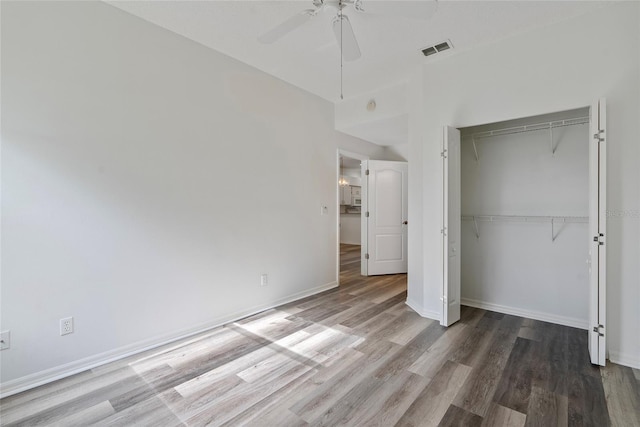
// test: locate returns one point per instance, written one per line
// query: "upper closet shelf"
(526, 218)
(528, 128)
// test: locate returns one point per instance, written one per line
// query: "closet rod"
(526, 218)
(530, 128)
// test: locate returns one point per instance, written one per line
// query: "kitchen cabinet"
(345, 195)
(349, 193)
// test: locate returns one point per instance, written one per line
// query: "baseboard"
(30, 381)
(536, 315)
(632, 361)
(429, 314)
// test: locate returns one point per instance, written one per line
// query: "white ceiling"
(309, 56)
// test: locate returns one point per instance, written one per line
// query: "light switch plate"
(5, 340)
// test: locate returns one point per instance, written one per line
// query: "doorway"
(371, 216)
(349, 220)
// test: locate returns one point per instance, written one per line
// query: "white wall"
(399, 152)
(387, 124)
(516, 266)
(350, 223)
(353, 176)
(350, 228)
(563, 66)
(122, 205)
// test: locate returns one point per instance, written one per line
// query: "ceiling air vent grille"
(432, 50)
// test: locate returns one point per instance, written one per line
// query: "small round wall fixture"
(371, 105)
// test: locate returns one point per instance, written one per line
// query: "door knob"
(405, 222)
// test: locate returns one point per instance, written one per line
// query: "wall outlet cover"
(66, 326)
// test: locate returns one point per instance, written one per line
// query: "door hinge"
(596, 329)
(366, 256)
(443, 154)
(599, 239)
(366, 214)
(443, 231)
(366, 172)
(598, 135)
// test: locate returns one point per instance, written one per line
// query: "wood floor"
(356, 355)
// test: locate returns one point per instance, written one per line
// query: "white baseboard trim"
(632, 361)
(46, 376)
(429, 314)
(536, 315)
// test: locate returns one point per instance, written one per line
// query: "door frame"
(344, 153)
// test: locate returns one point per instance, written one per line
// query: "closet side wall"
(520, 267)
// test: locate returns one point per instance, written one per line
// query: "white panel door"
(597, 232)
(451, 226)
(386, 223)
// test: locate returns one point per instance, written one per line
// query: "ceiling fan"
(341, 25)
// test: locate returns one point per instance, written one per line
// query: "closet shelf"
(528, 128)
(553, 220)
(526, 218)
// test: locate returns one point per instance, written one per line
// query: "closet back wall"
(515, 267)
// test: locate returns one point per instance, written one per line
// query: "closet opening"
(525, 212)
(524, 220)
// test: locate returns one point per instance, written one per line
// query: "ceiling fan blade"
(423, 10)
(346, 38)
(287, 26)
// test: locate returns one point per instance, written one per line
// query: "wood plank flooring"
(356, 355)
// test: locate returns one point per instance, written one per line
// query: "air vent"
(429, 51)
(432, 50)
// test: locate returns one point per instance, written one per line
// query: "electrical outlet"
(5, 340)
(264, 280)
(324, 210)
(66, 326)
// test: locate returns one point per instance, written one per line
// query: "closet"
(524, 220)
(524, 235)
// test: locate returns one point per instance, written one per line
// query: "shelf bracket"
(475, 149)
(475, 223)
(554, 236)
(554, 147)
